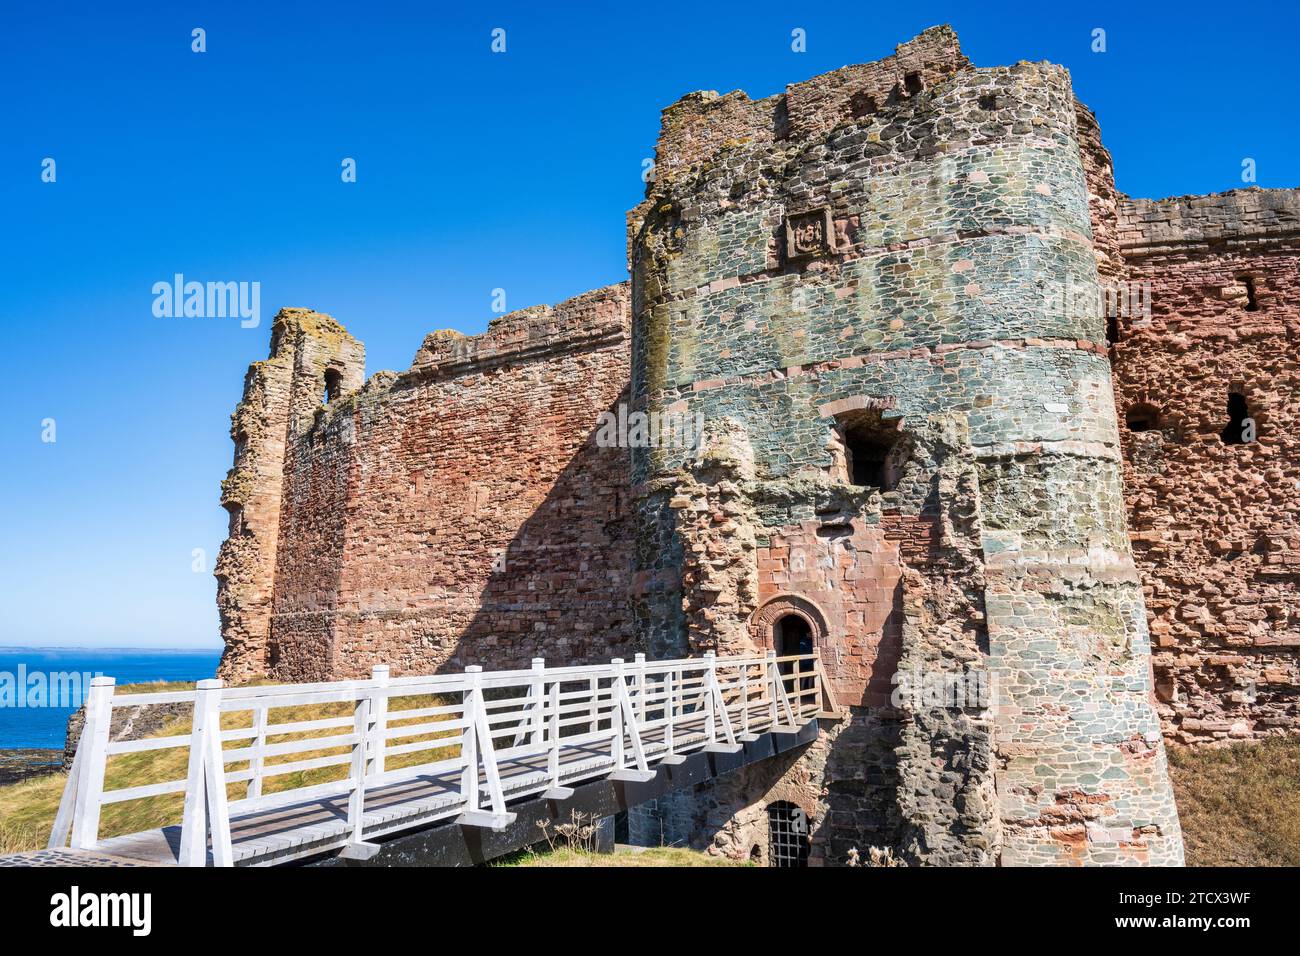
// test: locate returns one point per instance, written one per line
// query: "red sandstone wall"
(310, 554)
(1215, 526)
(461, 512)
(853, 580)
(282, 396)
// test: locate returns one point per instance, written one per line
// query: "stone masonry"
(458, 512)
(1215, 524)
(919, 456)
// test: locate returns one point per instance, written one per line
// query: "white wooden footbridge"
(411, 753)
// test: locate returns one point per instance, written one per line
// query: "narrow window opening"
(1143, 418)
(787, 835)
(862, 104)
(1238, 413)
(1252, 303)
(1112, 330)
(912, 83)
(868, 444)
(781, 119)
(333, 381)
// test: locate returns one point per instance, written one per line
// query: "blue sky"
(475, 171)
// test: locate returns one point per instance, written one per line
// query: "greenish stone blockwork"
(960, 213)
(1008, 395)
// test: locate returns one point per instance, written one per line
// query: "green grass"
(662, 856)
(27, 808)
(1240, 805)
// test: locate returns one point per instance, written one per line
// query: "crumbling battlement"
(941, 133)
(1229, 221)
(592, 320)
(699, 125)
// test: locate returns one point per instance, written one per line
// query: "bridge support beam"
(359, 851)
(474, 844)
(485, 818)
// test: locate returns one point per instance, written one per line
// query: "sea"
(45, 725)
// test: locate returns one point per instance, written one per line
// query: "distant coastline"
(94, 648)
(27, 731)
(16, 765)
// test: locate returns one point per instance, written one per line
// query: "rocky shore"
(21, 764)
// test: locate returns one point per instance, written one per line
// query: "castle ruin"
(971, 416)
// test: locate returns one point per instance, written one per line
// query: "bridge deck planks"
(312, 827)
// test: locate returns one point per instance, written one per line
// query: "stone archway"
(763, 625)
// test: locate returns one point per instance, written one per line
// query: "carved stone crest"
(809, 234)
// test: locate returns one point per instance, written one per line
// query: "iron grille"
(787, 835)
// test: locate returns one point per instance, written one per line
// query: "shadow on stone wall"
(562, 589)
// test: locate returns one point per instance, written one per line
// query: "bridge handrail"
(473, 724)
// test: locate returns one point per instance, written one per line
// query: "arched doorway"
(792, 636)
(787, 834)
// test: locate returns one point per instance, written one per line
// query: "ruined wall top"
(699, 124)
(589, 320)
(1149, 227)
(292, 323)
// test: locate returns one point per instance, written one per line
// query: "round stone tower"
(876, 291)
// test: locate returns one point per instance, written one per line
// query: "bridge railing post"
(468, 737)
(90, 776)
(194, 816)
(257, 763)
(773, 687)
(627, 725)
(617, 689)
(780, 699)
(815, 678)
(744, 698)
(595, 710)
(205, 786)
(62, 827)
(379, 674)
(357, 795)
(671, 679)
(710, 696)
(638, 671)
(539, 702)
(553, 752)
(825, 701)
(215, 777)
(719, 711)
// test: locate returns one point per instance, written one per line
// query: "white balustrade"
(486, 738)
